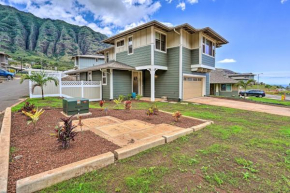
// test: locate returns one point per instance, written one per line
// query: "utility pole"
(259, 80)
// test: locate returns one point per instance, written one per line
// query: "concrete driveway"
(276, 97)
(11, 92)
(242, 105)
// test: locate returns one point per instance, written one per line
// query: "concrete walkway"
(242, 105)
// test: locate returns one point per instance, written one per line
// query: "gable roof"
(87, 56)
(109, 65)
(210, 32)
(218, 76)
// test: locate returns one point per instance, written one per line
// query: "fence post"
(82, 85)
(30, 86)
(60, 85)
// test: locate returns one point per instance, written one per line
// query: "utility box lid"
(75, 105)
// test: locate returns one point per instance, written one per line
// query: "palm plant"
(40, 79)
(245, 84)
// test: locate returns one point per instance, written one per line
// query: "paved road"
(11, 91)
(277, 97)
(242, 105)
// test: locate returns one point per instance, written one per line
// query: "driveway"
(242, 105)
(11, 92)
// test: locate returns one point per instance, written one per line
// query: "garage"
(192, 87)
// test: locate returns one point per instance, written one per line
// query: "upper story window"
(208, 47)
(160, 41)
(130, 45)
(107, 57)
(120, 43)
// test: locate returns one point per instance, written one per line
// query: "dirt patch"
(36, 151)
(183, 122)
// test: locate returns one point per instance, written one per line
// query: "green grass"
(272, 101)
(242, 151)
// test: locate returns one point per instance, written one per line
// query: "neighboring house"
(239, 76)
(154, 60)
(85, 61)
(222, 85)
(4, 60)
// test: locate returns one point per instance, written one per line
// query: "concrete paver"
(283, 111)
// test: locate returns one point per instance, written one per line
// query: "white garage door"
(192, 87)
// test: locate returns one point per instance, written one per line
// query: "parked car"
(256, 93)
(6, 74)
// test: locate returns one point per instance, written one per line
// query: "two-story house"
(4, 60)
(155, 60)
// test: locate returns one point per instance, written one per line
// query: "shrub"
(65, 133)
(129, 96)
(121, 97)
(149, 112)
(176, 115)
(34, 117)
(138, 97)
(28, 107)
(101, 103)
(128, 105)
(118, 101)
(155, 110)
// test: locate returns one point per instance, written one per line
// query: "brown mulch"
(39, 151)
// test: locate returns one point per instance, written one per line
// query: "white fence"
(91, 90)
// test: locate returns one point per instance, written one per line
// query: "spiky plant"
(39, 79)
(65, 133)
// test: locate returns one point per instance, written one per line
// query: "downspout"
(180, 65)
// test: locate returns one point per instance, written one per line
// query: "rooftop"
(219, 76)
(87, 56)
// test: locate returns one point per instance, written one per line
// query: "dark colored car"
(6, 74)
(256, 93)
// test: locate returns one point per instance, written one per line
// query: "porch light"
(156, 76)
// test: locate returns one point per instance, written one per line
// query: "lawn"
(242, 152)
(272, 101)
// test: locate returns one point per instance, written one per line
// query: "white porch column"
(152, 73)
(111, 84)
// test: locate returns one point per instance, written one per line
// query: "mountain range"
(27, 36)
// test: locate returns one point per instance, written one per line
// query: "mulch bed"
(39, 151)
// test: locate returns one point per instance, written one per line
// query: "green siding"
(207, 60)
(146, 84)
(160, 58)
(167, 81)
(186, 67)
(83, 76)
(97, 76)
(122, 83)
(229, 94)
(195, 56)
(141, 57)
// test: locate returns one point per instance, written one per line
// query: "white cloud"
(181, 5)
(192, 1)
(283, 1)
(104, 15)
(167, 24)
(227, 61)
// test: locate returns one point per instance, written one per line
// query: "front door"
(137, 82)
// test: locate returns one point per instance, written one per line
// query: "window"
(130, 45)
(96, 59)
(208, 47)
(120, 43)
(226, 87)
(107, 57)
(160, 41)
(104, 77)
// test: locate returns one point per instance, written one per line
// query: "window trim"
(226, 87)
(213, 45)
(131, 36)
(123, 39)
(107, 59)
(160, 44)
(104, 76)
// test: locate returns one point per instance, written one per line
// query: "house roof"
(87, 56)
(3, 53)
(218, 76)
(110, 65)
(242, 74)
(104, 50)
(184, 26)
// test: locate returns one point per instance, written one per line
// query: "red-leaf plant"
(176, 115)
(65, 133)
(28, 107)
(101, 103)
(128, 105)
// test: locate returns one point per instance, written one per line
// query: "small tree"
(245, 84)
(40, 79)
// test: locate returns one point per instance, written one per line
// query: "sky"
(258, 31)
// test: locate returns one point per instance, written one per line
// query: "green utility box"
(73, 106)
